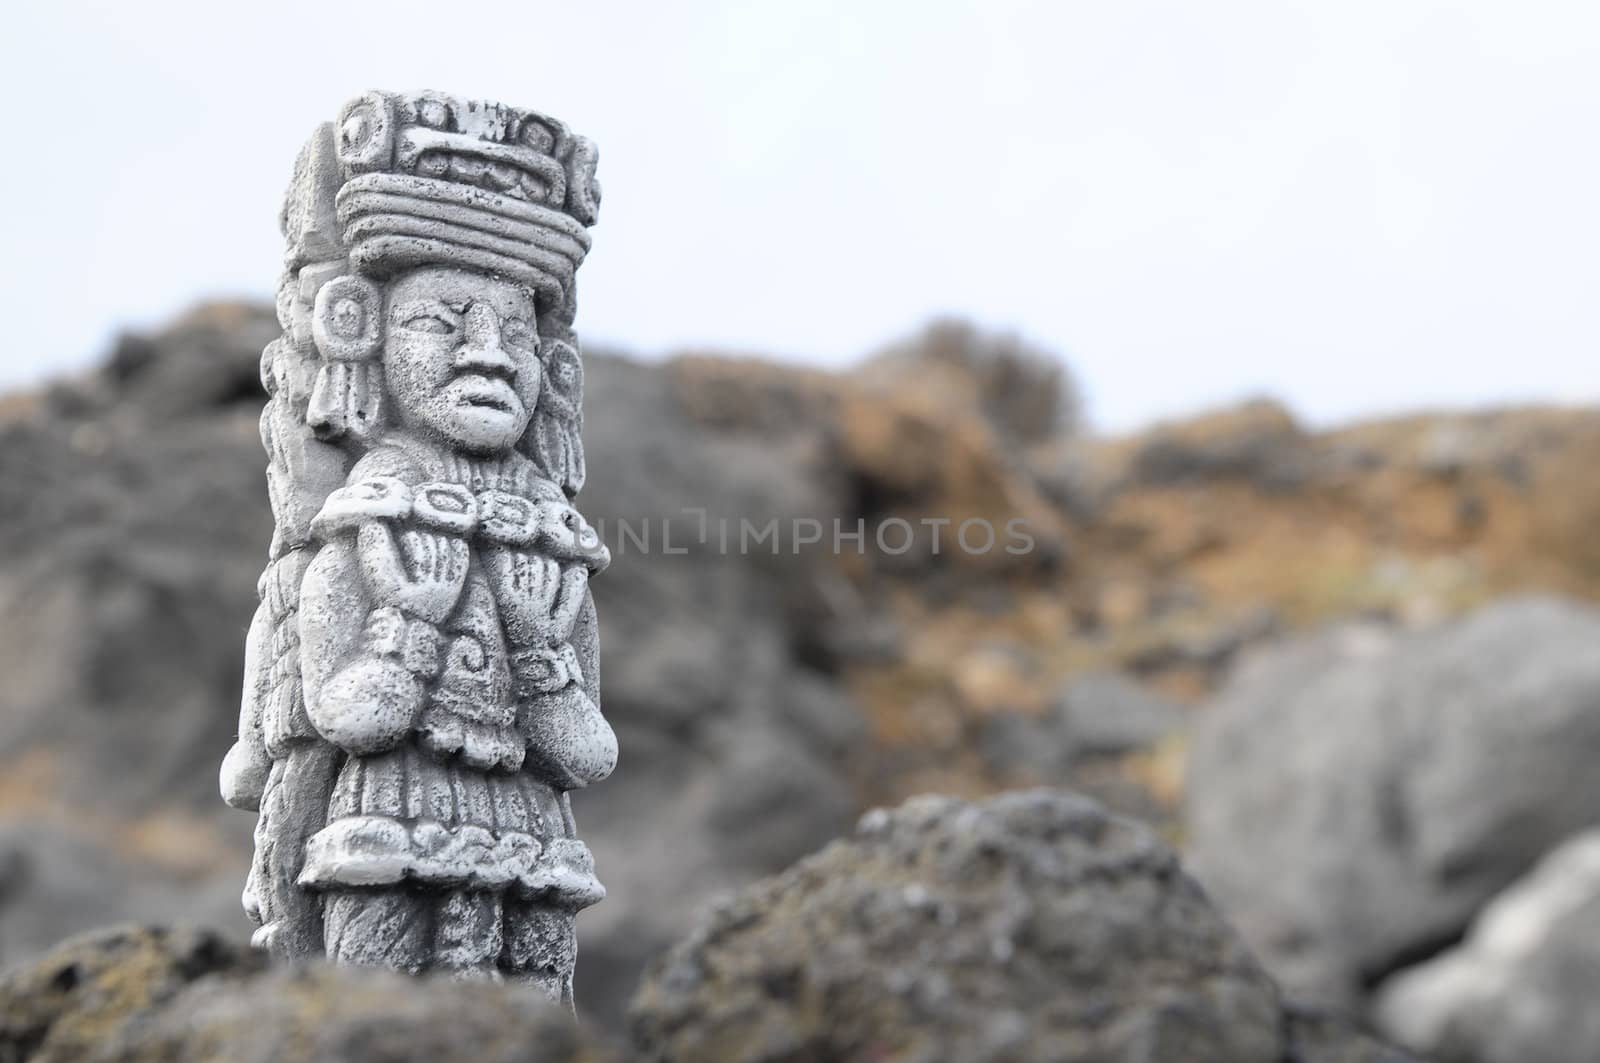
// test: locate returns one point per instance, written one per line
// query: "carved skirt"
(405, 817)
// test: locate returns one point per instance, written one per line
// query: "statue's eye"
(515, 330)
(430, 323)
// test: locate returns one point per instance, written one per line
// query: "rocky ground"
(1033, 926)
(1235, 629)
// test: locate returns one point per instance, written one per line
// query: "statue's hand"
(525, 587)
(244, 774)
(570, 744)
(419, 571)
(372, 703)
(369, 706)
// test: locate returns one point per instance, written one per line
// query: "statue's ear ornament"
(583, 188)
(346, 326)
(366, 133)
(346, 321)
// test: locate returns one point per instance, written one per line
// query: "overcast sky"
(1356, 206)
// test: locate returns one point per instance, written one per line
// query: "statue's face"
(462, 356)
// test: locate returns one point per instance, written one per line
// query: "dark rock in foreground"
(1033, 926)
(138, 995)
(76, 998)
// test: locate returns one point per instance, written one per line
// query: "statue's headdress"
(401, 181)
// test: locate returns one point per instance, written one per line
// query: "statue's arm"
(390, 571)
(556, 680)
(333, 614)
(247, 764)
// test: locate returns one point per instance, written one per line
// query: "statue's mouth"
(487, 393)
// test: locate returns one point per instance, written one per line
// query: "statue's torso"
(457, 800)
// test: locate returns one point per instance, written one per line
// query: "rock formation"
(791, 691)
(1033, 926)
(142, 995)
(1392, 783)
(1520, 988)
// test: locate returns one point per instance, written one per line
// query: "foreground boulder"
(79, 995)
(1033, 926)
(141, 995)
(1355, 796)
(1520, 989)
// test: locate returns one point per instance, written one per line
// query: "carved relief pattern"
(422, 674)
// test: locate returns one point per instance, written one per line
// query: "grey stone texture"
(1520, 988)
(1032, 926)
(1355, 796)
(142, 995)
(73, 1000)
(422, 674)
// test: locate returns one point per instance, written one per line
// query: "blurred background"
(1271, 322)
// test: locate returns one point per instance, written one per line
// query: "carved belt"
(492, 516)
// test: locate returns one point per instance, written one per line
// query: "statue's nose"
(482, 350)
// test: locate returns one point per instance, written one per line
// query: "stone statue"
(421, 678)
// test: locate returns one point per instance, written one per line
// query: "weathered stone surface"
(76, 998)
(1355, 796)
(421, 678)
(142, 995)
(327, 1015)
(1143, 968)
(1032, 926)
(1521, 987)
